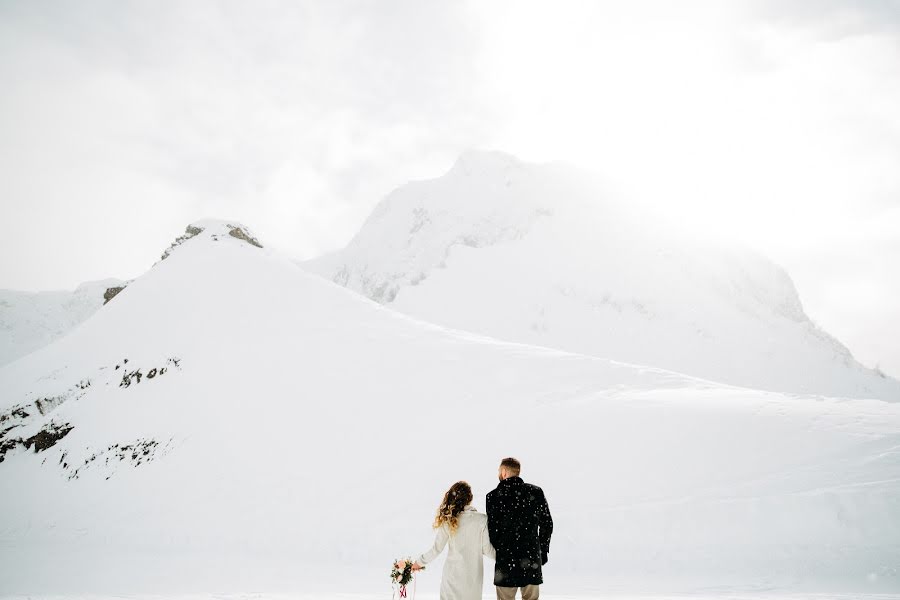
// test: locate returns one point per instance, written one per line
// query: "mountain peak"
(536, 254)
(477, 162)
(213, 230)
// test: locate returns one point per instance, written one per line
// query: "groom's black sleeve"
(545, 530)
(493, 520)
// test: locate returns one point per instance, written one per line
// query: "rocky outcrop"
(106, 460)
(189, 232)
(112, 292)
(239, 233)
(19, 420)
(131, 375)
(213, 230)
(46, 438)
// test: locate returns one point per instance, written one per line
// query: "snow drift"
(536, 254)
(230, 422)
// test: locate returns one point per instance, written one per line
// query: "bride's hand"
(416, 566)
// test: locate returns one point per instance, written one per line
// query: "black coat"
(520, 526)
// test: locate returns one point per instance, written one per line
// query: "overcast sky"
(777, 123)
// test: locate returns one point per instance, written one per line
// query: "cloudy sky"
(776, 123)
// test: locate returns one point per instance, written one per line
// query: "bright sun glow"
(710, 118)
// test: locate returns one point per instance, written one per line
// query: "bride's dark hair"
(455, 501)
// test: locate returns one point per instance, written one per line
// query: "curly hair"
(455, 501)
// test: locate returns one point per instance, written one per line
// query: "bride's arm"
(486, 547)
(440, 540)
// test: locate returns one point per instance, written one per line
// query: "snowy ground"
(606, 595)
(273, 431)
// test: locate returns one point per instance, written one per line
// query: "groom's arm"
(493, 519)
(545, 530)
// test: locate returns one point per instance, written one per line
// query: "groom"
(519, 525)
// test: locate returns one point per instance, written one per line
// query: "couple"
(515, 533)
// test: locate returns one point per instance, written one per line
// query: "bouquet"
(402, 574)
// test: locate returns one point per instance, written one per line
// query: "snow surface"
(31, 320)
(301, 437)
(537, 254)
(604, 595)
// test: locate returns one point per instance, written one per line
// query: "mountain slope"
(230, 422)
(31, 320)
(534, 254)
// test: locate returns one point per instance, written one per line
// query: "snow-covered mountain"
(231, 422)
(31, 320)
(536, 254)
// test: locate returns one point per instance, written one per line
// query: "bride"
(465, 530)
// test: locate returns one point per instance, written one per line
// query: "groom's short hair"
(513, 465)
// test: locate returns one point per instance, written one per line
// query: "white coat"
(464, 570)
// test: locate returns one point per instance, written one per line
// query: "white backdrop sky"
(777, 123)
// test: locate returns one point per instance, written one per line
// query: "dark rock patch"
(42, 440)
(17, 412)
(135, 376)
(135, 453)
(24, 414)
(111, 293)
(48, 436)
(130, 376)
(6, 446)
(45, 405)
(14, 417)
(237, 232)
(189, 232)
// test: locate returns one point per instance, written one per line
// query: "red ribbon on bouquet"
(403, 590)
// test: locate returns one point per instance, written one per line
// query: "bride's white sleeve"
(440, 540)
(486, 548)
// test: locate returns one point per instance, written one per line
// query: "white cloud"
(777, 124)
(150, 118)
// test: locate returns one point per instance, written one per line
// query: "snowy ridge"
(263, 452)
(31, 320)
(536, 254)
(213, 230)
(483, 212)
